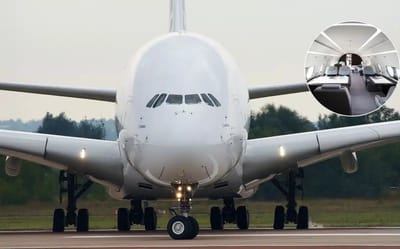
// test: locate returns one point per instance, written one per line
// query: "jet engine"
(349, 162)
(12, 166)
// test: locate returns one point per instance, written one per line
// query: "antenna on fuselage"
(177, 16)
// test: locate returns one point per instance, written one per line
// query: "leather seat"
(334, 97)
(331, 71)
(369, 72)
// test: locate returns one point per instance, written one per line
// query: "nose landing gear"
(182, 226)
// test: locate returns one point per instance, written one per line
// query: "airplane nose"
(182, 164)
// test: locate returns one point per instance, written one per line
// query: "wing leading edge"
(274, 90)
(108, 95)
(97, 158)
(268, 156)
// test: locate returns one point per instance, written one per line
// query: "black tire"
(216, 221)
(242, 218)
(123, 223)
(150, 219)
(58, 220)
(279, 218)
(82, 224)
(302, 218)
(180, 227)
(195, 227)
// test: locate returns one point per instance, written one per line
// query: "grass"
(326, 213)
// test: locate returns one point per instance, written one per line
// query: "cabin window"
(390, 71)
(174, 99)
(191, 99)
(379, 68)
(310, 72)
(152, 100)
(160, 100)
(321, 69)
(206, 99)
(214, 99)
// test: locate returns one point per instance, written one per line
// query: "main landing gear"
(69, 184)
(135, 215)
(182, 226)
(229, 214)
(294, 182)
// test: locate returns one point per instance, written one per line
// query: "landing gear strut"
(182, 226)
(69, 184)
(229, 214)
(294, 182)
(136, 216)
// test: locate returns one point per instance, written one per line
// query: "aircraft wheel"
(58, 220)
(216, 219)
(150, 219)
(123, 222)
(195, 225)
(279, 218)
(243, 218)
(82, 224)
(302, 218)
(180, 227)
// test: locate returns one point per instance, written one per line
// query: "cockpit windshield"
(188, 99)
(191, 99)
(174, 99)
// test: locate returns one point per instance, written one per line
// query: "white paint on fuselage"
(183, 143)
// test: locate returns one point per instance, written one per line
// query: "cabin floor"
(362, 101)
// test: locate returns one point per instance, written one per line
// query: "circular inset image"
(352, 68)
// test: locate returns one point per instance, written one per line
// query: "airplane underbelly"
(186, 164)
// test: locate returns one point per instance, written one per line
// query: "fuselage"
(182, 113)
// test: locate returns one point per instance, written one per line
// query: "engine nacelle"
(349, 162)
(12, 166)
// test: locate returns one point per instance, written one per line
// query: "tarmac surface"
(254, 238)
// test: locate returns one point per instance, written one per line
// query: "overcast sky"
(90, 42)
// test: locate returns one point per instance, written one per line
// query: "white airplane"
(183, 118)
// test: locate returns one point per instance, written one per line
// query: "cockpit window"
(206, 99)
(152, 100)
(174, 99)
(192, 99)
(216, 102)
(160, 100)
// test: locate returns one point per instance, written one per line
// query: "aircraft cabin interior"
(352, 68)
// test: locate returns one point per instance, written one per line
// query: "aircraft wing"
(273, 90)
(64, 91)
(273, 155)
(97, 158)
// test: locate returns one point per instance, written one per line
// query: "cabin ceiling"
(357, 38)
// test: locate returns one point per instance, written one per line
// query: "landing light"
(189, 188)
(282, 151)
(179, 195)
(180, 188)
(82, 154)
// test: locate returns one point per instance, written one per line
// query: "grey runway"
(266, 238)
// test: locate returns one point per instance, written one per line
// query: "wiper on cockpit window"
(160, 100)
(152, 100)
(214, 99)
(206, 99)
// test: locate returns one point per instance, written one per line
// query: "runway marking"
(240, 235)
(213, 246)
